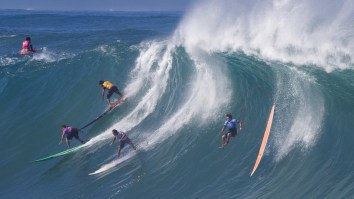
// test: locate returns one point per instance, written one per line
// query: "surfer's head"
(100, 82)
(228, 116)
(63, 126)
(28, 38)
(114, 132)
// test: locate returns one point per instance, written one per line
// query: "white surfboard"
(114, 163)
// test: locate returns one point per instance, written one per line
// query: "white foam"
(153, 71)
(301, 32)
(49, 56)
(114, 163)
(7, 36)
(299, 113)
(149, 80)
(202, 99)
(6, 61)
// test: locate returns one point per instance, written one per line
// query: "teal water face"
(177, 98)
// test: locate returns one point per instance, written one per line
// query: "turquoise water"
(181, 72)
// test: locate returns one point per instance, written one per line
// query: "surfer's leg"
(223, 141)
(82, 142)
(68, 142)
(109, 102)
(109, 94)
(132, 145)
(119, 93)
(76, 136)
(228, 138)
(119, 151)
(116, 90)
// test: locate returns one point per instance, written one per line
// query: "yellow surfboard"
(264, 141)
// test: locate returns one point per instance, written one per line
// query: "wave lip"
(298, 32)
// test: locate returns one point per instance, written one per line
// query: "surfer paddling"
(27, 46)
(231, 124)
(123, 139)
(111, 89)
(70, 132)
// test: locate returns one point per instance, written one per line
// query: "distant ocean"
(181, 73)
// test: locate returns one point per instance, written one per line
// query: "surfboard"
(114, 163)
(26, 52)
(117, 103)
(105, 112)
(60, 153)
(265, 139)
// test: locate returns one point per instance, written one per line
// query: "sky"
(99, 5)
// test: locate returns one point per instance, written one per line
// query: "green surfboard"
(60, 154)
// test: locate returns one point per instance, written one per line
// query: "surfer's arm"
(240, 123)
(109, 102)
(62, 137)
(123, 135)
(113, 141)
(30, 47)
(222, 130)
(103, 90)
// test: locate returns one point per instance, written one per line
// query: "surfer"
(70, 132)
(123, 139)
(111, 89)
(232, 126)
(27, 46)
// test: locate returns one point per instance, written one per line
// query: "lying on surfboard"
(27, 47)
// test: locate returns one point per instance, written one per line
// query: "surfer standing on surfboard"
(70, 132)
(123, 139)
(111, 89)
(232, 126)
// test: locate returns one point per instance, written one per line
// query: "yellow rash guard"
(108, 85)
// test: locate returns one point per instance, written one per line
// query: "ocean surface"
(181, 73)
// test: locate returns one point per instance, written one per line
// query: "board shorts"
(114, 89)
(123, 142)
(74, 133)
(233, 132)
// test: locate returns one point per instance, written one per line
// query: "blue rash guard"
(231, 125)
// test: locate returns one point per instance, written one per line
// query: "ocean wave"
(298, 32)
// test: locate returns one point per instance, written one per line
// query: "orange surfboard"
(265, 139)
